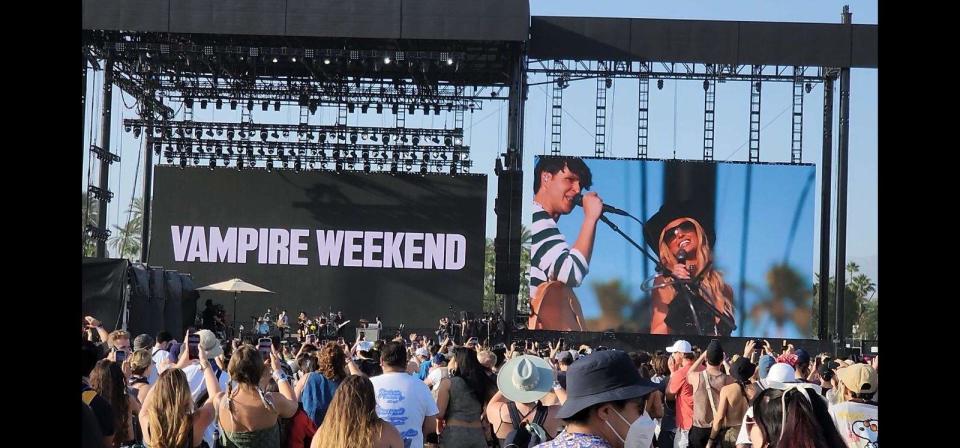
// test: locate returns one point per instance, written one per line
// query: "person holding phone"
(202, 343)
(108, 380)
(248, 416)
(163, 421)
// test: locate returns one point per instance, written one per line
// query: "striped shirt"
(552, 258)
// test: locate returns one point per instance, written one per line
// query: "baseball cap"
(859, 378)
(680, 346)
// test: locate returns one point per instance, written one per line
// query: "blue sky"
(486, 133)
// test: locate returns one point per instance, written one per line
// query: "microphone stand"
(660, 268)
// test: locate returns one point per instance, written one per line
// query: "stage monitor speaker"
(369, 334)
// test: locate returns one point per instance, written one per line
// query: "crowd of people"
(416, 391)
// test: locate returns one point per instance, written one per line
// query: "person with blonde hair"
(352, 419)
(169, 418)
(141, 367)
(683, 237)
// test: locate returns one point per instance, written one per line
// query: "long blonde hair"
(352, 418)
(712, 281)
(168, 416)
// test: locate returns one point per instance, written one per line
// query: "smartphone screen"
(120, 356)
(192, 342)
(264, 345)
(311, 339)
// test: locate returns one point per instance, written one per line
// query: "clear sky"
(486, 134)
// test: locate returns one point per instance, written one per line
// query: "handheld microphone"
(578, 200)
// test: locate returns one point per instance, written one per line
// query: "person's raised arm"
(692, 373)
(286, 404)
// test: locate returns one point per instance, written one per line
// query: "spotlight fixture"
(387, 60)
(264, 106)
(659, 84)
(203, 104)
(219, 104)
(706, 85)
(326, 61)
(449, 61)
(608, 82)
(276, 106)
(808, 87)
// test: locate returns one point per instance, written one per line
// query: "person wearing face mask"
(605, 404)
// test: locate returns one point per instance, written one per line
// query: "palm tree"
(785, 298)
(861, 304)
(126, 239)
(90, 213)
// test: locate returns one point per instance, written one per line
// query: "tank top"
(702, 408)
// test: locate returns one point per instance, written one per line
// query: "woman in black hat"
(683, 237)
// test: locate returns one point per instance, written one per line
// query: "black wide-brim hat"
(602, 377)
(670, 211)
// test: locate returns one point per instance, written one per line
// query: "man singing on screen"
(556, 267)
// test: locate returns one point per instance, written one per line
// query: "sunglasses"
(671, 233)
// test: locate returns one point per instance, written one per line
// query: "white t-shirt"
(858, 423)
(404, 401)
(435, 375)
(197, 386)
(158, 357)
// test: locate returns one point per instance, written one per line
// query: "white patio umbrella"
(236, 286)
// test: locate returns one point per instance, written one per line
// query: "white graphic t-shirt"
(404, 401)
(858, 423)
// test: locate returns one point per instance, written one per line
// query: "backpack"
(522, 436)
